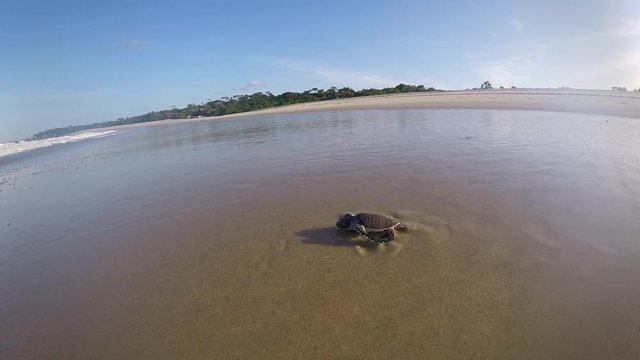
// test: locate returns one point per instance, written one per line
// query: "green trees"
(486, 86)
(241, 103)
(332, 93)
(346, 92)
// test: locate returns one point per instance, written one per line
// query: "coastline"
(600, 102)
(522, 240)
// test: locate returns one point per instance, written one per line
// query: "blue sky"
(73, 62)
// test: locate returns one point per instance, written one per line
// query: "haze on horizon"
(74, 62)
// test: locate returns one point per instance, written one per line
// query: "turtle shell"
(375, 222)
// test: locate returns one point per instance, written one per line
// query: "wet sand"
(217, 240)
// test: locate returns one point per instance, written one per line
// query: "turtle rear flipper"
(383, 236)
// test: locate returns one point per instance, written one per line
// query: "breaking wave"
(25, 145)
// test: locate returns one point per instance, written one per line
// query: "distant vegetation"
(486, 86)
(238, 104)
(622, 88)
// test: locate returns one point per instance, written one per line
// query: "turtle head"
(344, 221)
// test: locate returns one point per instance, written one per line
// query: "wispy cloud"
(336, 76)
(596, 57)
(587, 57)
(254, 85)
(477, 56)
(134, 44)
(517, 24)
(509, 70)
(631, 28)
(499, 72)
(624, 30)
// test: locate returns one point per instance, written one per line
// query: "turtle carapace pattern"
(377, 228)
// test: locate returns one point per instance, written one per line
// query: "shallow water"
(216, 239)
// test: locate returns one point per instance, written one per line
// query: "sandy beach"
(217, 239)
(615, 103)
(604, 102)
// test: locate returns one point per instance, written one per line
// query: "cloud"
(623, 30)
(477, 56)
(335, 76)
(133, 44)
(499, 72)
(600, 57)
(517, 24)
(516, 69)
(254, 85)
(596, 57)
(628, 31)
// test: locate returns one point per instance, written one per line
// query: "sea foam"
(25, 145)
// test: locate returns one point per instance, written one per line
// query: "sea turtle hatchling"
(377, 228)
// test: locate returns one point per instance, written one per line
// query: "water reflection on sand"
(216, 239)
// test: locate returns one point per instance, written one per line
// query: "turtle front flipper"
(360, 229)
(377, 238)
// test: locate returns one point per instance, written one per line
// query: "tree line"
(238, 104)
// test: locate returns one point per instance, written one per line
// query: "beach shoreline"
(600, 102)
(219, 239)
